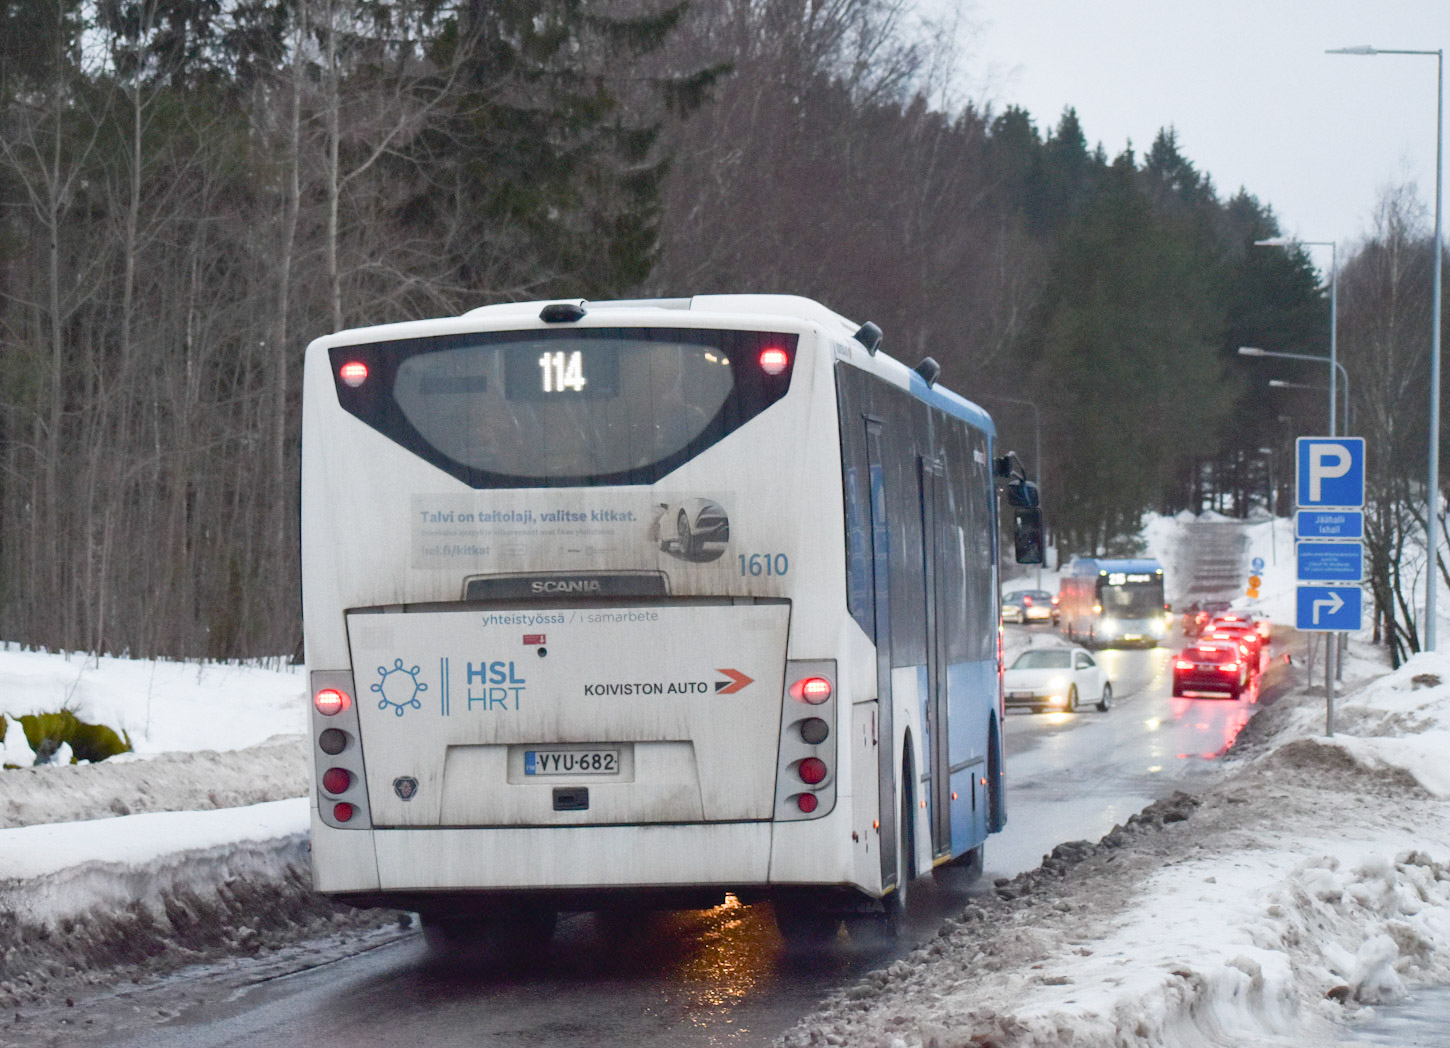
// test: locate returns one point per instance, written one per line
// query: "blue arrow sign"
(1257, 564)
(1331, 562)
(1330, 471)
(1329, 524)
(1333, 609)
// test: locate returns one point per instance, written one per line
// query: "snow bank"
(55, 870)
(1281, 906)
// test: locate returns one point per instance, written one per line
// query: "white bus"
(636, 604)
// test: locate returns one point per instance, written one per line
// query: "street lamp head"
(1278, 383)
(1361, 49)
(1250, 351)
(1275, 242)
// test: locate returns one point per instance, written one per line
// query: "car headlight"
(1159, 628)
(1057, 683)
(1110, 626)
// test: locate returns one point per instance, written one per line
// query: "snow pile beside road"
(1278, 908)
(195, 845)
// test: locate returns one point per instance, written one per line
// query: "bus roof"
(1095, 566)
(795, 308)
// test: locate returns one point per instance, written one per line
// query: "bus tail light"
(353, 374)
(774, 361)
(812, 771)
(810, 741)
(331, 701)
(340, 788)
(814, 690)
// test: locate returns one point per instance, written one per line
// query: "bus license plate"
(571, 762)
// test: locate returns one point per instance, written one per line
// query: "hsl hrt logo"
(399, 688)
(494, 685)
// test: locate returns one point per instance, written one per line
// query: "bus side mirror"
(1022, 494)
(1027, 535)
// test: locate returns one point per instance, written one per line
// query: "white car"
(1057, 679)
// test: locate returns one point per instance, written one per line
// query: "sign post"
(1329, 488)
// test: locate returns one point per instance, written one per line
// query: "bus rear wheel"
(896, 902)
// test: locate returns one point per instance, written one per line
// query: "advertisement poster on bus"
(563, 531)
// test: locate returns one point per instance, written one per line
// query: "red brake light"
(353, 374)
(336, 780)
(330, 701)
(1230, 667)
(814, 690)
(1026, 600)
(1055, 599)
(807, 802)
(773, 361)
(1183, 664)
(342, 811)
(812, 770)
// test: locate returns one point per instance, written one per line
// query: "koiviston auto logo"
(734, 681)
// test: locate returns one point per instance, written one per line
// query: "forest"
(192, 191)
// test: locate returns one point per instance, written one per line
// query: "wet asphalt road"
(706, 977)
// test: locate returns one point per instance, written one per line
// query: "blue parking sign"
(1330, 471)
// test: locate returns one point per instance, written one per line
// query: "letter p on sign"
(1326, 461)
(1331, 471)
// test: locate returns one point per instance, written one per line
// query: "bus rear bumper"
(507, 860)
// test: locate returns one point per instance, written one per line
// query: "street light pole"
(1432, 488)
(1255, 351)
(1278, 383)
(1333, 312)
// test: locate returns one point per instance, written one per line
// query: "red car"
(1216, 668)
(1240, 632)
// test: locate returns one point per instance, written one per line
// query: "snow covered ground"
(1282, 907)
(1276, 908)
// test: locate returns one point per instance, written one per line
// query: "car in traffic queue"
(1200, 613)
(1056, 679)
(1241, 632)
(1211, 668)
(1255, 618)
(1037, 605)
(1012, 609)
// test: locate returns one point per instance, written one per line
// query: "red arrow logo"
(737, 681)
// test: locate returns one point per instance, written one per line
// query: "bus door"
(886, 771)
(935, 745)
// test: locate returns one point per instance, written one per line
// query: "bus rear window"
(562, 408)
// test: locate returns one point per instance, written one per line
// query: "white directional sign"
(1331, 609)
(1330, 472)
(1330, 561)
(1329, 524)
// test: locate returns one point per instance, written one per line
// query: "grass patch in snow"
(65, 736)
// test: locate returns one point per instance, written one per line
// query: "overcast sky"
(1255, 100)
